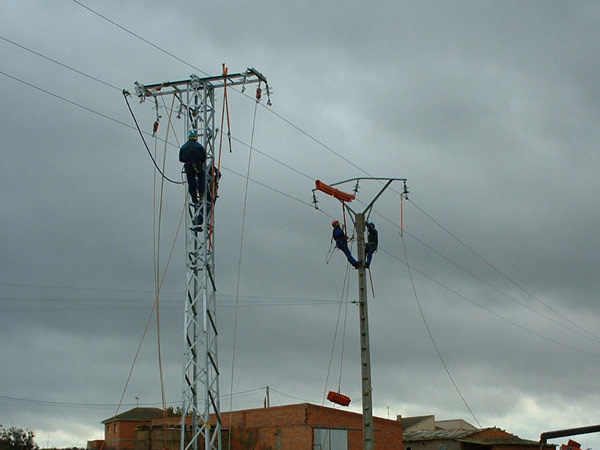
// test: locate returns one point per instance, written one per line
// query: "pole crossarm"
(368, 178)
(346, 197)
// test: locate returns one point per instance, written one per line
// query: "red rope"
(371, 278)
(401, 216)
(214, 174)
(344, 214)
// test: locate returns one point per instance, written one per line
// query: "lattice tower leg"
(200, 373)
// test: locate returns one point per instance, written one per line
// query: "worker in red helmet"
(341, 242)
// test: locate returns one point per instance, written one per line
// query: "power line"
(60, 64)
(67, 100)
(107, 405)
(482, 259)
(177, 307)
(319, 142)
(135, 128)
(296, 127)
(123, 300)
(264, 185)
(437, 350)
(589, 335)
(138, 36)
(286, 195)
(131, 111)
(289, 167)
(495, 314)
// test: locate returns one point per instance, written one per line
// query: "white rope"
(237, 292)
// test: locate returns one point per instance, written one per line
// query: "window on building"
(115, 430)
(330, 439)
(107, 429)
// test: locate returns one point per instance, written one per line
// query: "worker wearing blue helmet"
(193, 156)
(372, 243)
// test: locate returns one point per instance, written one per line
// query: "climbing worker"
(341, 242)
(193, 156)
(372, 242)
(211, 194)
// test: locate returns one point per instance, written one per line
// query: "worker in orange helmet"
(341, 242)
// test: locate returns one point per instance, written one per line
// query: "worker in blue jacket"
(193, 156)
(372, 243)
(214, 175)
(341, 242)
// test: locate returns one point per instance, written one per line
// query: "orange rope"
(344, 214)
(401, 217)
(214, 180)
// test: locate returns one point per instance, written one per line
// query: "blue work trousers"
(343, 246)
(196, 183)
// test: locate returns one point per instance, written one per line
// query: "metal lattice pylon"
(201, 397)
(200, 329)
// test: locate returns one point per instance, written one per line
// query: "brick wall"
(122, 438)
(289, 427)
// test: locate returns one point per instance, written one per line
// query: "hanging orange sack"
(338, 398)
(330, 190)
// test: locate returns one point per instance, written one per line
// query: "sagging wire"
(125, 95)
(437, 350)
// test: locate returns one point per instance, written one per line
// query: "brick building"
(290, 427)
(119, 430)
(307, 426)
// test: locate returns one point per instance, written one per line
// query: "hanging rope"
(345, 288)
(157, 232)
(215, 174)
(371, 278)
(344, 216)
(330, 253)
(155, 303)
(237, 292)
(344, 331)
(401, 216)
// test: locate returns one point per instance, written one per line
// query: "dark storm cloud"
(489, 109)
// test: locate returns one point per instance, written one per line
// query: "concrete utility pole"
(365, 354)
(196, 99)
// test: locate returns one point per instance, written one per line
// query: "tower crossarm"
(251, 75)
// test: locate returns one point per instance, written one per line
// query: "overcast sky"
(489, 109)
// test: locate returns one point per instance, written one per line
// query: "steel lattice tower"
(201, 397)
